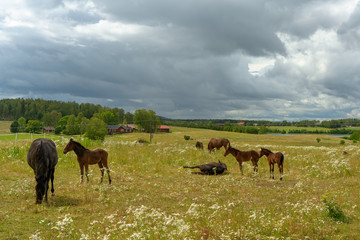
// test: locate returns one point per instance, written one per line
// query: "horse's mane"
(266, 150)
(79, 145)
(234, 149)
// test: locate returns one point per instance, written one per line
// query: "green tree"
(108, 117)
(96, 129)
(14, 127)
(22, 124)
(146, 120)
(71, 126)
(33, 126)
(63, 122)
(129, 117)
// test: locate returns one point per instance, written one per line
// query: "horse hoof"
(52, 194)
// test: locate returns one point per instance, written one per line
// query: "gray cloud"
(186, 59)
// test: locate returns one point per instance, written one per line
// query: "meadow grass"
(153, 197)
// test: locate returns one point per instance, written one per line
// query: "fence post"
(15, 138)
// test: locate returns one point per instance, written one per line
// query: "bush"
(318, 140)
(342, 142)
(335, 212)
(186, 137)
(96, 129)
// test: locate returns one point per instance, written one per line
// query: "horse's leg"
(107, 169)
(81, 172)
(280, 170)
(272, 170)
(87, 172)
(52, 182)
(47, 187)
(240, 165)
(102, 171)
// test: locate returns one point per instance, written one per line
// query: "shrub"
(335, 212)
(186, 137)
(342, 142)
(318, 140)
(96, 129)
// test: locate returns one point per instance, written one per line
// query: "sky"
(204, 59)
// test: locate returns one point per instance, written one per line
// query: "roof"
(113, 126)
(163, 127)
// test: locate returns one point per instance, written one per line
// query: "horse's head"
(227, 151)
(223, 165)
(69, 147)
(262, 152)
(40, 189)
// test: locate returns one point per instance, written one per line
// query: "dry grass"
(153, 197)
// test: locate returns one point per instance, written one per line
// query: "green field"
(153, 197)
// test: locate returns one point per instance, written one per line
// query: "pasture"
(153, 197)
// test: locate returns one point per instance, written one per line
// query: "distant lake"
(295, 134)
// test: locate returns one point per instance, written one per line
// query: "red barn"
(48, 129)
(116, 129)
(163, 128)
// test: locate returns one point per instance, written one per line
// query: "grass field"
(153, 197)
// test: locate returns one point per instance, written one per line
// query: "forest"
(55, 113)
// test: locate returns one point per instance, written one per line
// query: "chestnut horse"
(86, 157)
(218, 143)
(42, 158)
(243, 156)
(273, 158)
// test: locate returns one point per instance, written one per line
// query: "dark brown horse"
(42, 158)
(273, 158)
(212, 168)
(199, 145)
(218, 143)
(244, 156)
(86, 157)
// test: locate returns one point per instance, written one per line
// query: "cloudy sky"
(234, 59)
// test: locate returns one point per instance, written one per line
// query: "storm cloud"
(279, 60)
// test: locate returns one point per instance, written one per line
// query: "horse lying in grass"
(273, 158)
(42, 158)
(211, 168)
(243, 156)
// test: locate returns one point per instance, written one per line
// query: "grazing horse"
(243, 156)
(273, 158)
(86, 157)
(199, 145)
(218, 143)
(42, 158)
(211, 168)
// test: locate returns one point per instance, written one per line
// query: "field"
(153, 197)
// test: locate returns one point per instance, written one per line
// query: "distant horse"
(199, 145)
(211, 168)
(218, 143)
(273, 158)
(42, 158)
(86, 157)
(243, 156)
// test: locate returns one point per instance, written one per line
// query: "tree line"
(70, 118)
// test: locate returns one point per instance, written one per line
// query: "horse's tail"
(282, 159)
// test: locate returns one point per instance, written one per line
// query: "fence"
(16, 137)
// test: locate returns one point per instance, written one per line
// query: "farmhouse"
(163, 128)
(48, 129)
(116, 129)
(241, 124)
